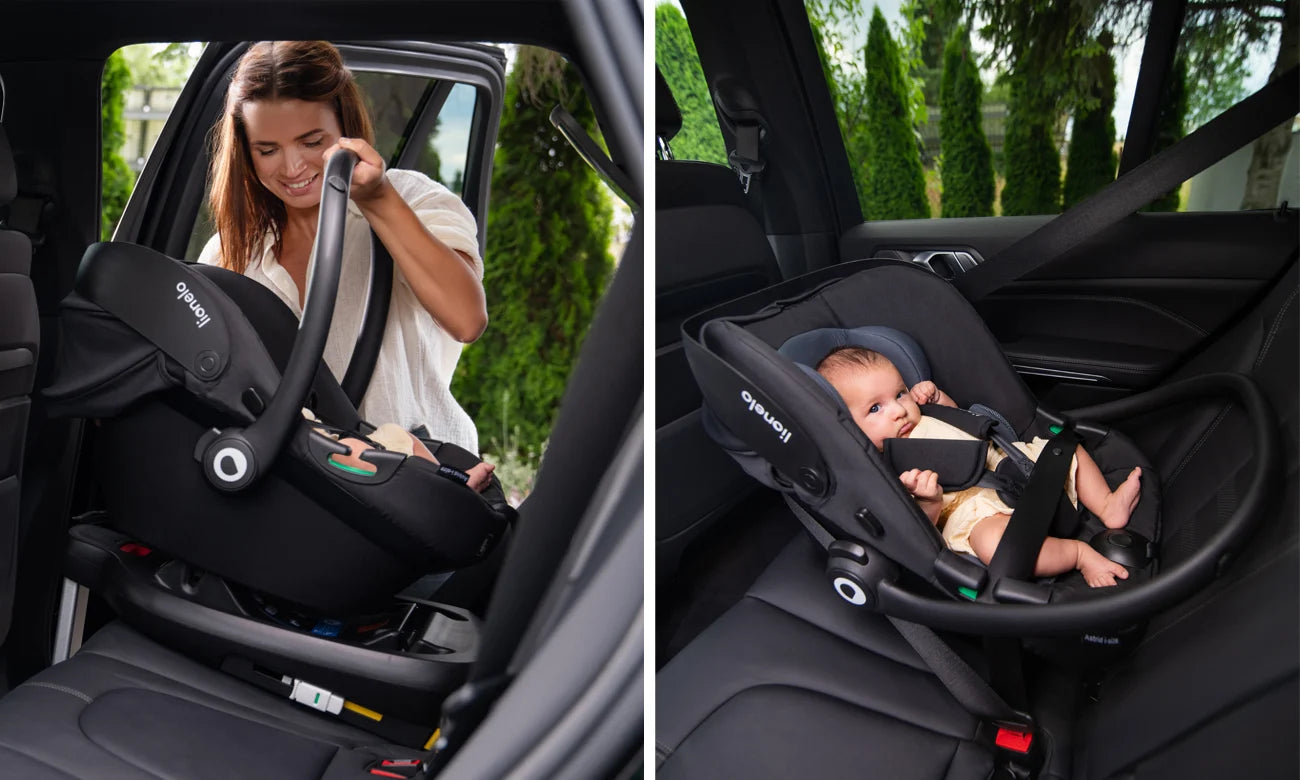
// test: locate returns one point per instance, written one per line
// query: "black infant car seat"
(784, 424)
(190, 459)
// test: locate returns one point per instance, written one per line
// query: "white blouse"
(411, 383)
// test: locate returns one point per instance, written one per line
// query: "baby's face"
(879, 402)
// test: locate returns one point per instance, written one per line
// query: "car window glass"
(700, 137)
(942, 118)
(1226, 54)
(139, 87)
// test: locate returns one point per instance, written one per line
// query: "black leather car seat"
(19, 340)
(719, 251)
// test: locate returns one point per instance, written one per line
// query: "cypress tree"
(896, 189)
(116, 177)
(1033, 165)
(966, 162)
(700, 137)
(1092, 160)
(547, 261)
(1170, 124)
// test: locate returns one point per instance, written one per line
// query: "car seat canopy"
(138, 322)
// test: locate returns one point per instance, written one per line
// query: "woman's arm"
(443, 279)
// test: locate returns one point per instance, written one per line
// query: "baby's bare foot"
(1098, 570)
(1120, 503)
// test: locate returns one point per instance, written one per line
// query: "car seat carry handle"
(234, 459)
(366, 352)
(1277, 102)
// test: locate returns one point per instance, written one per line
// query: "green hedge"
(1092, 160)
(547, 262)
(965, 160)
(1170, 127)
(1032, 162)
(117, 177)
(700, 137)
(896, 188)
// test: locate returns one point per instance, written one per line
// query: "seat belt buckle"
(404, 768)
(1018, 754)
(1015, 741)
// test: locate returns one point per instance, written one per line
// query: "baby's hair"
(847, 358)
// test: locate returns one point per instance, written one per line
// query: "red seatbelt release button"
(1015, 741)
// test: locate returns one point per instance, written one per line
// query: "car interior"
(191, 586)
(810, 621)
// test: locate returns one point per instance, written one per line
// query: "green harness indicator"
(969, 593)
(1055, 429)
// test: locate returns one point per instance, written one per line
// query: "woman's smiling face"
(287, 140)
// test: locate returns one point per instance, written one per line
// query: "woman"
(290, 106)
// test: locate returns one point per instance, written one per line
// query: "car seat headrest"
(668, 117)
(808, 349)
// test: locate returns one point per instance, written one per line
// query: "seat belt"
(366, 352)
(1275, 103)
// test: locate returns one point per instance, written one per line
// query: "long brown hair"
(243, 210)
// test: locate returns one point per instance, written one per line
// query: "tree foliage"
(938, 21)
(161, 64)
(1092, 161)
(834, 24)
(1031, 160)
(116, 176)
(896, 187)
(1171, 125)
(966, 162)
(547, 261)
(700, 137)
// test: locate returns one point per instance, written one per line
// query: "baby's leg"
(1057, 556)
(479, 474)
(1112, 508)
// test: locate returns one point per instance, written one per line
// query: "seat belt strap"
(814, 528)
(1017, 552)
(964, 683)
(373, 321)
(1277, 102)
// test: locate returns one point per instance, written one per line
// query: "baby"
(973, 520)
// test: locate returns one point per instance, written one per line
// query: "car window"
(700, 137)
(958, 109)
(943, 115)
(1224, 56)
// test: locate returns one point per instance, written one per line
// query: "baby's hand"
(925, 392)
(922, 484)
